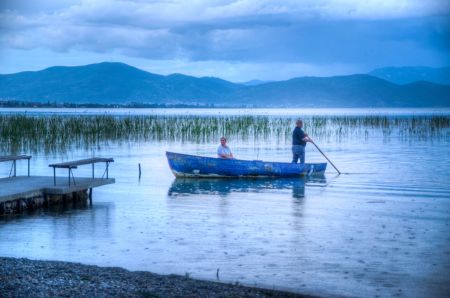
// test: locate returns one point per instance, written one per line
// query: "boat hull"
(192, 166)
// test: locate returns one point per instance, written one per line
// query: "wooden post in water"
(139, 171)
(90, 196)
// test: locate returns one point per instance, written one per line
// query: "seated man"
(224, 151)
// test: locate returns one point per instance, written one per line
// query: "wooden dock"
(21, 193)
(24, 187)
(27, 193)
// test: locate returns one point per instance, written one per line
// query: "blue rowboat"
(184, 165)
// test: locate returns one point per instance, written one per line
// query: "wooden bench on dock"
(70, 165)
(14, 159)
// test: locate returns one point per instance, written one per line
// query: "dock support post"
(54, 176)
(14, 168)
(28, 167)
(90, 196)
(92, 170)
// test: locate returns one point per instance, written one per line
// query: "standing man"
(224, 151)
(299, 140)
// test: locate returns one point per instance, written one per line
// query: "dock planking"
(21, 187)
(19, 193)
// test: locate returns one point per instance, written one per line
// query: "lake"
(380, 228)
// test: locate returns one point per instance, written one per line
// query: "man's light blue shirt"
(223, 150)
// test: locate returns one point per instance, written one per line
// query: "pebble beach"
(30, 278)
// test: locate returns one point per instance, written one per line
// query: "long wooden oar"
(325, 156)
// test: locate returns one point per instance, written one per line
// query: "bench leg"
(73, 177)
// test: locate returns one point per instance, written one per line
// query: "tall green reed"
(56, 133)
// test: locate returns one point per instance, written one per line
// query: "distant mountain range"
(118, 83)
(406, 75)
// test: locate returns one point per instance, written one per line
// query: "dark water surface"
(381, 228)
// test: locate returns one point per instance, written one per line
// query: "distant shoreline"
(40, 105)
(25, 104)
(29, 278)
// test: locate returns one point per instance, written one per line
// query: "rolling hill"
(118, 83)
(406, 75)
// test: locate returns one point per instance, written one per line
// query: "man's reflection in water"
(298, 188)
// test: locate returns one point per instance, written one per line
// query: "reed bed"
(55, 133)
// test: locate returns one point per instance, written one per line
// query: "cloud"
(266, 31)
(213, 9)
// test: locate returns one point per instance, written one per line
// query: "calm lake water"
(381, 228)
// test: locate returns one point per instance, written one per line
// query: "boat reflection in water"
(223, 187)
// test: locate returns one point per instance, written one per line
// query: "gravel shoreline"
(28, 278)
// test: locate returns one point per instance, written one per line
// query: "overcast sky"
(234, 40)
